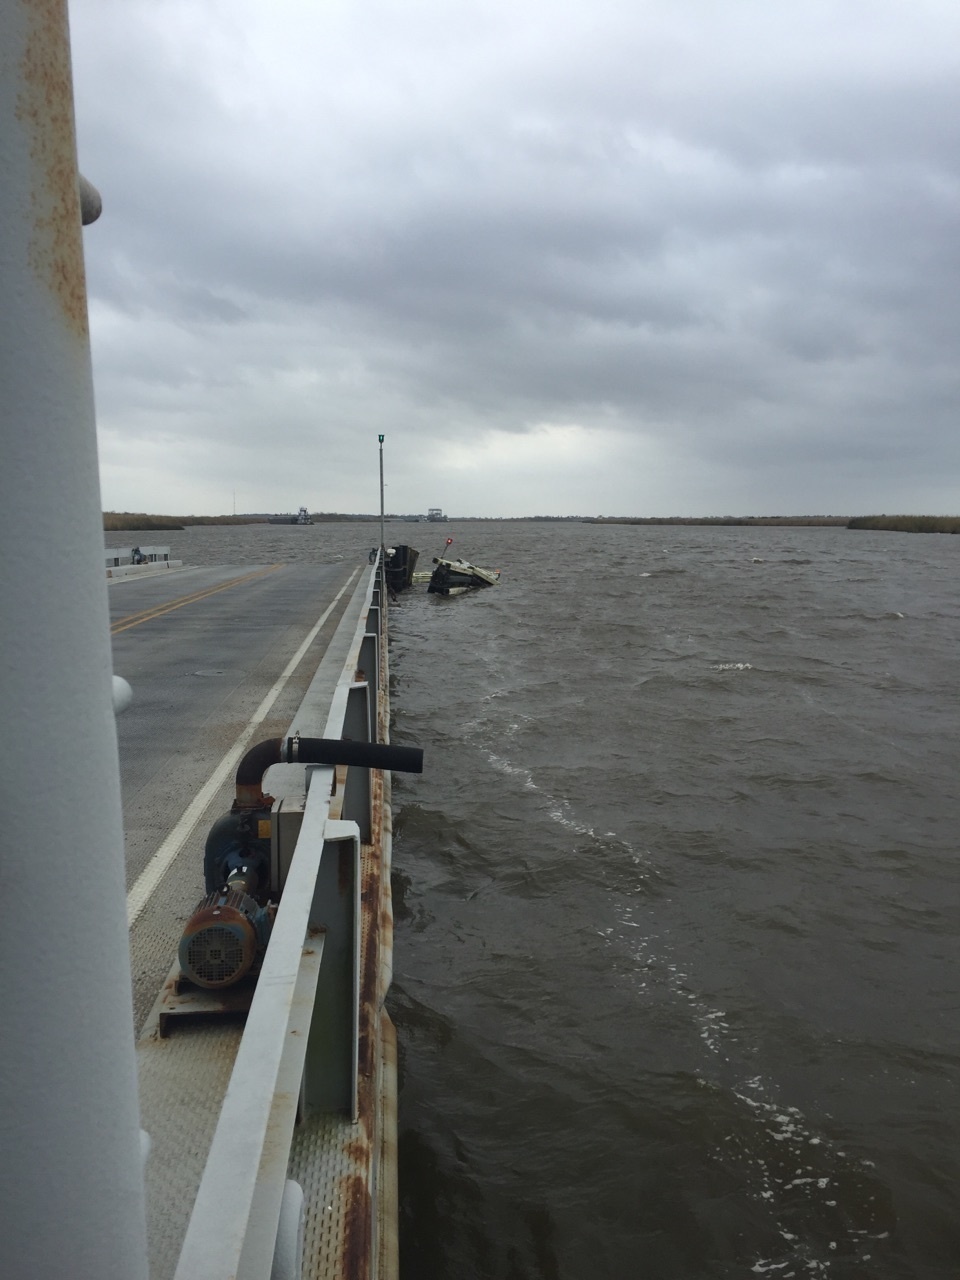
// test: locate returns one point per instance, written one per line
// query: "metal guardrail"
(233, 1230)
(114, 557)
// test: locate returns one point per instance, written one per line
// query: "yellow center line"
(135, 619)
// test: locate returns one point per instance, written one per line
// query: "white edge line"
(160, 863)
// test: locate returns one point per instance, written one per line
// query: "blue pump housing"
(235, 842)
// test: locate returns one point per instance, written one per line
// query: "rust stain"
(45, 108)
(369, 961)
(357, 1152)
(357, 1223)
(373, 907)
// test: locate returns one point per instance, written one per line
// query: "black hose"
(332, 751)
(368, 755)
(258, 760)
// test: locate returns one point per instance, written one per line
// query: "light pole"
(383, 545)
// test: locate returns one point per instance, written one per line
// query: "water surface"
(676, 962)
(676, 959)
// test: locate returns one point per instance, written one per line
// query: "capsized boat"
(400, 563)
(452, 577)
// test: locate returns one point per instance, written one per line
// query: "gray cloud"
(716, 246)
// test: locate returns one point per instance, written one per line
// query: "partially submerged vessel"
(453, 577)
(400, 564)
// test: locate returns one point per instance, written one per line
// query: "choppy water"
(676, 968)
(677, 962)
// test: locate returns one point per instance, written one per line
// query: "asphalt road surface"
(211, 654)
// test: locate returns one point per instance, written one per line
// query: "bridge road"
(204, 650)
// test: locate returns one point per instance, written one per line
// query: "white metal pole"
(71, 1178)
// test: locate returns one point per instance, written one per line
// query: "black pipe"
(332, 751)
(258, 760)
(368, 755)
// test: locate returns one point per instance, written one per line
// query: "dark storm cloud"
(724, 234)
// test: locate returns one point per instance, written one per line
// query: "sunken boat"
(453, 577)
(399, 566)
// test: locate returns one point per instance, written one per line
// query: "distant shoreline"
(139, 522)
(836, 521)
(893, 524)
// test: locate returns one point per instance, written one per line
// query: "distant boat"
(302, 517)
(436, 513)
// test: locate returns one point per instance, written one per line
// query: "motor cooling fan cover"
(219, 944)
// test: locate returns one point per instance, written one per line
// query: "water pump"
(230, 928)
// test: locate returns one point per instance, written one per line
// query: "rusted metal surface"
(360, 1201)
(45, 109)
(182, 1003)
(370, 907)
(356, 1257)
(388, 1197)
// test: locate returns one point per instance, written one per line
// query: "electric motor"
(219, 944)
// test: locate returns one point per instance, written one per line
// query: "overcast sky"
(643, 257)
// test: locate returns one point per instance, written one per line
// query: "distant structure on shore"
(302, 517)
(435, 514)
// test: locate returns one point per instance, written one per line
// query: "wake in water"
(789, 1164)
(558, 810)
(822, 1203)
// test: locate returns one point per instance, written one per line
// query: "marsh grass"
(908, 524)
(840, 521)
(114, 521)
